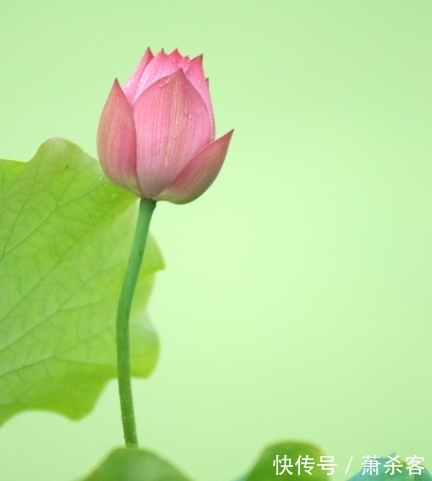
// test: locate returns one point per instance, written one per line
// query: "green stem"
(145, 212)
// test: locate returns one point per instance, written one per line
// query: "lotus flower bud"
(156, 133)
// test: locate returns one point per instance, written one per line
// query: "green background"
(297, 299)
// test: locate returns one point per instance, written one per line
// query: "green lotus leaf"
(291, 459)
(135, 465)
(65, 237)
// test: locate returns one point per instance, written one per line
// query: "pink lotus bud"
(156, 134)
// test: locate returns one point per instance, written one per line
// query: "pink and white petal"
(199, 173)
(195, 75)
(159, 67)
(131, 85)
(172, 125)
(116, 141)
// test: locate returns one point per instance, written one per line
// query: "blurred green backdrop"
(296, 303)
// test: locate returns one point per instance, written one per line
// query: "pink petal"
(199, 173)
(159, 67)
(172, 125)
(180, 61)
(116, 142)
(195, 75)
(131, 84)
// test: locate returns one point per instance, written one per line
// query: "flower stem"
(146, 208)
